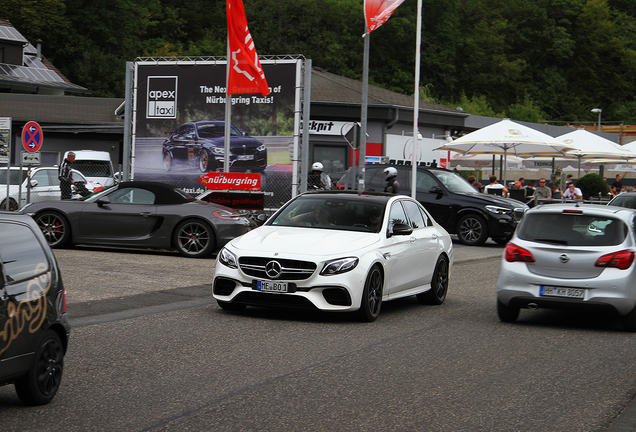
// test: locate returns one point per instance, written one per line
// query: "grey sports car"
(139, 214)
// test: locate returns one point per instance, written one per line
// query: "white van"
(95, 165)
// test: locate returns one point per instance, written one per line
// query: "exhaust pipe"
(533, 306)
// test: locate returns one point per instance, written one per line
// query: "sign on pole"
(32, 137)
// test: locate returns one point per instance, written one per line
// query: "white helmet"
(317, 166)
(389, 172)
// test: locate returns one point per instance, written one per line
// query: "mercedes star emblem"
(564, 258)
(273, 269)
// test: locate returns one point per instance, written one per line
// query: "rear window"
(572, 229)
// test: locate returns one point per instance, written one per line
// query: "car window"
(627, 201)
(425, 182)
(454, 182)
(132, 196)
(414, 214)
(211, 130)
(14, 176)
(426, 217)
(572, 229)
(42, 177)
(397, 215)
(21, 253)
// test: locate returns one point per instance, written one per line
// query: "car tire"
(472, 230)
(629, 321)
(439, 284)
(371, 301)
(167, 161)
(205, 161)
(42, 381)
(55, 227)
(231, 306)
(13, 205)
(506, 313)
(194, 238)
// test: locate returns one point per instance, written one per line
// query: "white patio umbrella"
(587, 145)
(506, 137)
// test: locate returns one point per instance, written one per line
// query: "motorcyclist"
(390, 175)
(317, 179)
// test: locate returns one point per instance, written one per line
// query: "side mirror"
(436, 190)
(33, 183)
(103, 201)
(401, 229)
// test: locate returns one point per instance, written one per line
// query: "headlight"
(498, 210)
(339, 266)
(260, 147)
(218, 150)
(228, 259)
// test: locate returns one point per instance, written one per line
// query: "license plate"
(271, 286)
(245, 157)
(562, 292)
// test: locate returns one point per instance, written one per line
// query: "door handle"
(145, 214)
(412, 239)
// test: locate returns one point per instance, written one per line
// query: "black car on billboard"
(452, 202)
(201, 143)
(34, 325)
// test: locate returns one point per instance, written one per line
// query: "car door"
(434, 197)
(179, 142)
(426, 246)
(399, 250)
(129, 214)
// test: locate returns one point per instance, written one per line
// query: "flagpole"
(228, 112)
(416, 100)
(363, 114)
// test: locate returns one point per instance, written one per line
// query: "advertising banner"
(237, 200)
(232, 181)
(5, 138)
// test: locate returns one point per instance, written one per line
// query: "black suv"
(34, 327)
(452, 202)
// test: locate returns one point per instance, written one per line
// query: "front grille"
(290, 269)
(223, 286)
(275, 300)
(243, 151)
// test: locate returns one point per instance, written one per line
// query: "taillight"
(621, 259)
(225, 214)
(340, 187)
(517, 253)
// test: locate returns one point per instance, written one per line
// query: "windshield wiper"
(553, 241)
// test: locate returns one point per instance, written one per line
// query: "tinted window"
(21, 253)
(132, 196)
(42, 177)
(454, 182)
(414, 214)
(397, 215)
(572, 229)
(628, 201)
(425, 182)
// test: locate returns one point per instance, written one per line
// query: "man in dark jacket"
(64, 174)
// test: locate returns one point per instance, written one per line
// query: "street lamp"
(599, 111)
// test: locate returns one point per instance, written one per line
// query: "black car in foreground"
(452, 202)
(202, 143)
(34, 327)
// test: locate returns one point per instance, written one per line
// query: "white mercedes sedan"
(337, 251)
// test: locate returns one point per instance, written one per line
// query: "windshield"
(572, 229)
(454, 182)
(331, 213)
(213, 130)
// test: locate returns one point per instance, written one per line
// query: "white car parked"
(337, 251)
(42, 185)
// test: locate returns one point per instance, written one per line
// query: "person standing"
(390, 176)
(65, 176)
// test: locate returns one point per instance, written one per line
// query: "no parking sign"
(32, 137)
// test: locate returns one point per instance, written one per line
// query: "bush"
(591, 185)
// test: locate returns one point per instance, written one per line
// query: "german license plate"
(271, 286)
(562, 292)
(245, 157)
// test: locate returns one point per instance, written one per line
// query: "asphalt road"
(150, 350)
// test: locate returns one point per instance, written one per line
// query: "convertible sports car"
(337, 251)
(202, 143)
(139, 214)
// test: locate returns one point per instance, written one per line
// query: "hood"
(493, 199)
(234, 142)
(309, 242)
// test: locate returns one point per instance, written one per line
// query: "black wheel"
(55, 228)
(13, 206)
(167, 161)
(371, 301)
(231, 306)
(40, 384)
(439, 284)
(506, 313)
(194, 238)
(472, 230)
(629, 321)
(205, 161)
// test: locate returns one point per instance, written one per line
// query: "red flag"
(377, 12)
(246, 74)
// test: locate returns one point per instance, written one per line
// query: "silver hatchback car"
(567, 256)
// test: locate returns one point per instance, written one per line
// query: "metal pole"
(416, 102)
(363, 114)
(127, 156)
(228, 112)
(304, 152)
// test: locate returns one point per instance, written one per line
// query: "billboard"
(179, 113)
